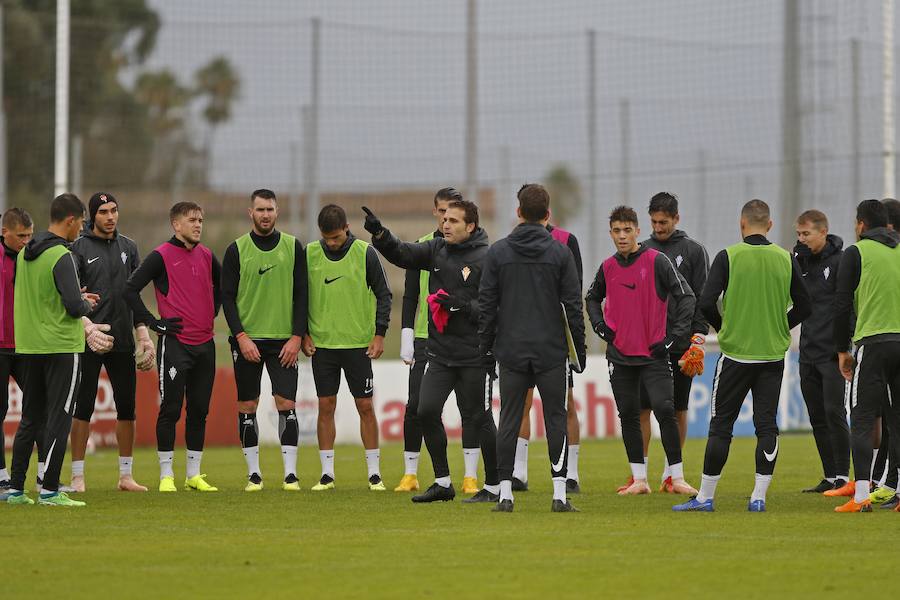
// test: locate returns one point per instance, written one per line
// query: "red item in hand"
(439, 315)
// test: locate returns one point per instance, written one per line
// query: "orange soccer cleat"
(852, 506)
(627, 485)
(846, 490)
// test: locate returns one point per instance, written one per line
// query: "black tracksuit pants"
(11, 365)
(48, 402)
(824, 393)
(186, 376)
(886, 459)
(877, 369)
(553, 387)
(412, 429)
(655, 379)
(474, 391)
(732, 381)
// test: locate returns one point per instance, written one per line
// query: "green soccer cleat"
(376, 484)
(58, 499)
(254, 483)
(198, 484)
(881, 495)
(167, 484)
(19, 498)
(325, 483)
(291, 483)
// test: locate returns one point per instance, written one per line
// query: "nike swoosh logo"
(436, 269)
(327, 281)
(771, 457)
(161, 328)
(267, 269)
(454, 309)
(669, 345)
(91, 260)
(630, 286)
(562, 455)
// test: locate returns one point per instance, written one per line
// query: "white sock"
(77, 468)
(373, 458)
(40, 470)
(520, 467)
(192, 469)
(251, 455)
(676, 472)
(494, 489)
(470, 458)
(4, 474)
(872, 466)
(708, 485)
(289, 460)
(831, 479)
(761, 487)
(646, 465)
(638, 470)
(326, 457)
(506, 489)
(862, 490)
(559, 488)
(444, 482)
(573, 461)
(667, 472)
(165, 464)
(411, 462)
(125, 463)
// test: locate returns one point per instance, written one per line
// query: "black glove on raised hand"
(372, 223)
(166, 326)
(661, 349)
(605, 333)
(452, 302)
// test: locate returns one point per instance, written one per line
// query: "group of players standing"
(70, 298)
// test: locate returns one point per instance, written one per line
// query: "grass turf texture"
(351, 542)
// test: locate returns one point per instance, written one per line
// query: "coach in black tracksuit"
(454, 363)
(820, 379)
(529, 282)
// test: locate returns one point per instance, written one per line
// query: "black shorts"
(120, 369)
(682, 387)
(247, 375)
(327, 364)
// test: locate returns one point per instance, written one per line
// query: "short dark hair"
(331, 218)
(16, 216)
(470, 209)
(893, 210)
(873, 213)
(665, 202)
(264, 194)
(623, 214)
(181, 209)
(447, 193)
(65, 206)
(756, 212)
(534, 202)
(815, 217)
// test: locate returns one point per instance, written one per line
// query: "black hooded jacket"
(848, 280)
(456, 269)
(104, 266)
(820, 273)
(529, 279)
(65, 273)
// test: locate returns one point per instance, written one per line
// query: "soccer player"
(105, 260)
(349, 311)
(692, 262)
(185, 275)
(49, 306)
(869, 286)
(529, 298)
(17, 230)
(264, 300)
(819, 255)
(455, 261)
(759, 282)
(638, 284)
(573, 427)
(414, 338)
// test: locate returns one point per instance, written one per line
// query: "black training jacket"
(456, 269)
(104, 267)
(528, 279)
(820, 273)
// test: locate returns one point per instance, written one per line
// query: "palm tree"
(218, 84)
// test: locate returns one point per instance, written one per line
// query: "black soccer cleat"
(482, 496)
(572, 486)
(503, 506)
(291, 478)
(255, 478)
(560, 506)
(823, 486)
(436, 493)
(892, 503)
(518, 485)
(4, 485)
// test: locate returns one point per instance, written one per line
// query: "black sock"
(248, 430)
(288, 428)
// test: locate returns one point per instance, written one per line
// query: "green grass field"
(360, 544)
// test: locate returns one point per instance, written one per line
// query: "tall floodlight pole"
(3, 200)
(61, 146)
(594, 225)
(889, 152)
(471, 149)
(311, 123)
